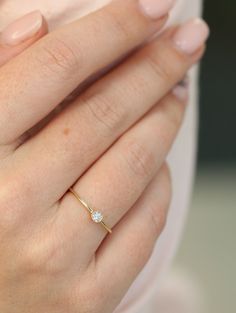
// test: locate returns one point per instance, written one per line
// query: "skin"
(53, 257)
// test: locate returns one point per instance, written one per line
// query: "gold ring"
(96, 216)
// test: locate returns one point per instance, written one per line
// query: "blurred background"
(208, 249)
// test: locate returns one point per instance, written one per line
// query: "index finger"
(10, 43)
(35, 82)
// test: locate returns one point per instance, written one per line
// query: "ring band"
(96, 216)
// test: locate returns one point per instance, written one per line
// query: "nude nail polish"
(22, 29)
(156, 8)
(191, 35)
(181, 90)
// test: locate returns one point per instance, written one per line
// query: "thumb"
(21, 34)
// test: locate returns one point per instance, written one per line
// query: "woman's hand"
(110, 144)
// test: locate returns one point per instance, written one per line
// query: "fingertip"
(43, 30)
(181, 90)
(21, 34)
(22, 29)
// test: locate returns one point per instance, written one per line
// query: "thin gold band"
(96, 216)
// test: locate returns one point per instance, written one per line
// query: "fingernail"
(191, 35)
(181, 91)
(22, 29)
(156, 8)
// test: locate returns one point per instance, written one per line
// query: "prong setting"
(97, 216)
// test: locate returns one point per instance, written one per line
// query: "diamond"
(97, 217)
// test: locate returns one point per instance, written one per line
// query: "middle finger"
(57, 64)
(117, 180)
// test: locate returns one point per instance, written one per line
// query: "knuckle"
(161, 71)
(59, 56)
(119, 26)
(88, 291)
(106, 114)
(139, 159)
(98, 300)
(166, 64)
(42, 256)
(12, 204)
(31, 261)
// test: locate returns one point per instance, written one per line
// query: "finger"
(115, 182)
(71, 143)
(21, 34)
(112, 185)
(55, 66)
(123, 255)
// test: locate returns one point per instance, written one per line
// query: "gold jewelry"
(96, 216)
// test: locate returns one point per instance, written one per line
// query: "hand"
(53, 257)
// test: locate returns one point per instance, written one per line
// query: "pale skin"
(53, 257)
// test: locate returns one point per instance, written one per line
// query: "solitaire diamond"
(97, 217)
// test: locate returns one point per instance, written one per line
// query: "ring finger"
(119, 177)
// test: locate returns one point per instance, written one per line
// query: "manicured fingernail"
(22, 29)
(181, 91)
(191, 35)
(156, 8)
